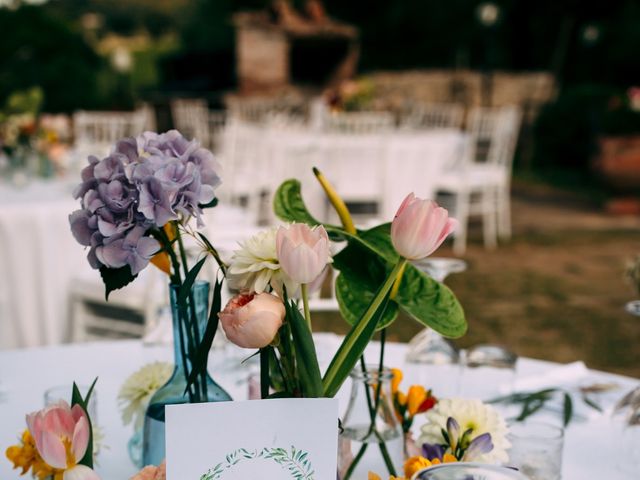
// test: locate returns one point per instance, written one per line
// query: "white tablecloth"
(39, 257)
(590, 449)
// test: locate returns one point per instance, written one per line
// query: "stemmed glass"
(436, 355)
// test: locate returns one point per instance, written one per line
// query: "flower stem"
(396, 285)
(305, 302)
(342, 355)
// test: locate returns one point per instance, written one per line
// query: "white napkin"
(564, 376)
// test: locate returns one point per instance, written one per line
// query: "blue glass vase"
(173, 392)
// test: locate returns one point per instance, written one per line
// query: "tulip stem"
(305, 303)
(396, 285)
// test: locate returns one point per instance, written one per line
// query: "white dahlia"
(471, 414)
(138, 389)
(255, 266)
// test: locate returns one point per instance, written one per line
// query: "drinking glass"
(486, 371)
(536, 450)
(437, 357)
(468, 471)
(63, 392)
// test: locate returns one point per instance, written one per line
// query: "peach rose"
(252, 320)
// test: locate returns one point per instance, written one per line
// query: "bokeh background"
(558, 288)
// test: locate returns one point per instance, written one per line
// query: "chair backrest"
(100, 130)
(494, 134)
(359, 122)
(433, 115)
(191, 118)
(509, 125)
(263, 110)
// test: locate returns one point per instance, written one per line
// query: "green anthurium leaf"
(115, 278)
(354, 299)
(431, 303)
(289, 206)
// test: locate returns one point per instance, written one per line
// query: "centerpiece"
(137, 205)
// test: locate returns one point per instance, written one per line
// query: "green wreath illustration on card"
(295, 462)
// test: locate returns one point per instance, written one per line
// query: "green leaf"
(354, 298)
(353, 347)
(567, 409)
(366, 261)
(431, 303)
(201, 358)
(189, 280)
(289, 206)
(77, 399)
(586, 399)
(305, 352)
(211, 204)
(115, 278)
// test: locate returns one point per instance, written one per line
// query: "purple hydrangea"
(143, 184)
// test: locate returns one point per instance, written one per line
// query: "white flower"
(255, 266)
(138, 389)
(471, 415)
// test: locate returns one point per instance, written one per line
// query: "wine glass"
(436, 356)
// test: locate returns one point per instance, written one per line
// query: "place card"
(277, 439)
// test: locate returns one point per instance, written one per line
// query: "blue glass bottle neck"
(200, 298)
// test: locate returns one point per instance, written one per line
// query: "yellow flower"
(395, 381)
(26, 457)
(373, 476)
(414, 464)
(415, 396)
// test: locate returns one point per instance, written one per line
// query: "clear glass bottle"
(372, 441)
(173, 392)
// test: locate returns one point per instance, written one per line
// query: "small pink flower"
(303, 252)
(61, 434)
(419, 227)
(252, 320)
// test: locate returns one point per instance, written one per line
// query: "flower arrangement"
(58, 442)
(136, 206)
(467, 429)
(277, 269)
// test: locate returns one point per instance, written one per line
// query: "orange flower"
(395, 381)
(415, 464)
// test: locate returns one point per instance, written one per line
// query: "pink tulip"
(303, 252)
(61, 434)
(419, 227)
(252, 320)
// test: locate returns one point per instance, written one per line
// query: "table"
(378, 167)
(39, 257)
(26, 374)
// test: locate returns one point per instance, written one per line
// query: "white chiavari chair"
(359, 122)
(434, 115)
(191, 118)
(481, 181)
